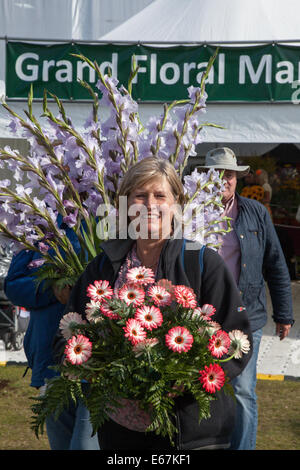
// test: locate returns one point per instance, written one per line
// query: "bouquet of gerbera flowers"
(142, 345)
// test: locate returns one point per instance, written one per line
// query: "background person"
(72, 431)
(253, 254)
(154, 184)
(262, 179)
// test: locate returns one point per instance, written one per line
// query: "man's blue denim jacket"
(262, 260)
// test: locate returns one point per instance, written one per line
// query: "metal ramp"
(281, 358)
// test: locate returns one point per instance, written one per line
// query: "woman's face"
(152, 207)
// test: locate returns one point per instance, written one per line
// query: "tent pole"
(99, 41)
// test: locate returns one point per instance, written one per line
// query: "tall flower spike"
(85, 166)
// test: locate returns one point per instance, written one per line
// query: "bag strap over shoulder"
(193, 264)
(102, 259)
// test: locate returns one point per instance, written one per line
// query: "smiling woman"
(154, 192)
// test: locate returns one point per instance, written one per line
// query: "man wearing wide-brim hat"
(223, 158)
(253, 253)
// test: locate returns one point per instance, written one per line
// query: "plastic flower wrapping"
(54, 193)
(139, 348)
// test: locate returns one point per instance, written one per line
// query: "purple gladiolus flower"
(36, 263)
(43, 247)
(71, 219)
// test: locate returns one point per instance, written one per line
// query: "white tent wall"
(65, 19)
(56, 20)
(232, 23)
(165, 20)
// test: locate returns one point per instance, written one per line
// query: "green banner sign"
(257, 73)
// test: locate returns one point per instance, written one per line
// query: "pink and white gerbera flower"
(107, 312)
(100, 290)
(211, 328)
(142, 346)
(68, 322)
(185, 296)
(204, 312)
(78, 349)
(212, 377)
(179, 339)
(132, 295)
(140, 276)
(134, 331)
(92, 311)
(149, 316)
(160, 296)
(239, 344)
(207, 311)
(219, 343)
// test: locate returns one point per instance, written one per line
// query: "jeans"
(72, 430)
(244, 434)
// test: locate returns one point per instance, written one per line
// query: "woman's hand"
(62, 294)
(131, 416)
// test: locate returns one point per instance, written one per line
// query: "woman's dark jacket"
(215, 286)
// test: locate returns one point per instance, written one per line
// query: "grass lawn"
(279, 420)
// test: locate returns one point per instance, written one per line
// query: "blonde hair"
(148, 169)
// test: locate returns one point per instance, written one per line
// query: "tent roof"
(64, 19)
(211, 21)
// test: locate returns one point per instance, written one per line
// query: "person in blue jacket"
(72, 430)
(253, 253)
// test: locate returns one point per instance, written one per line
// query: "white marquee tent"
(211, 21)
(160, 22)
(232, 23)
(57, 20)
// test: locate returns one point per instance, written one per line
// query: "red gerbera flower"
(219, 343)
(185, 296)
(212, 378)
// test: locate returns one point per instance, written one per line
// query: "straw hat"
(223, 158)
